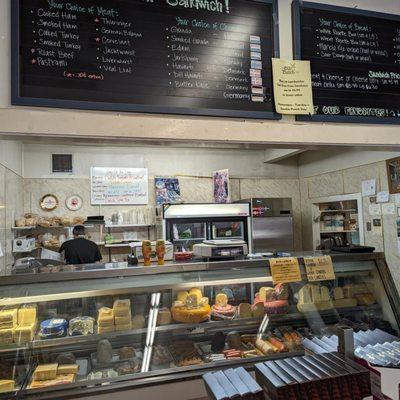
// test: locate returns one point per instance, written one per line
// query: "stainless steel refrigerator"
(272, 224)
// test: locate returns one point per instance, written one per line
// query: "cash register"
(221, 249)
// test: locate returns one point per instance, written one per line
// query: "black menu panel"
(355, 62)
(204, 57)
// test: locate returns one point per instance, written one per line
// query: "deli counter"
(84, 331)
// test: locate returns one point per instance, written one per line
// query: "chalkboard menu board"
(355, 62)
(204, 57)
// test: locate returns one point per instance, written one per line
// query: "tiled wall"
(349, 181)
(193, 190)
(11, 203)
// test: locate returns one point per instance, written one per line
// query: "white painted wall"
(165, 161)
(11, 155)
(72, 123)
(319, 162)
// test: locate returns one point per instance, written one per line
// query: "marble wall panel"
(353, 177)
(325, 185)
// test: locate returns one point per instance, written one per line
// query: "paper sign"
(292, 87)
(382, 197)
(369, 187)
(388, 209)
(285, 270)
(1, 251)
(319, 268)
(375, 209)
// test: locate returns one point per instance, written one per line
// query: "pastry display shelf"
(242, 323)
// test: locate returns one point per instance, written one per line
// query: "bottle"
(160, 251)
(146, 251)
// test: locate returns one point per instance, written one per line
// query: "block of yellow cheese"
(6, 336)
(67, 369)
(6, 385)
(138, 322)
(182, 296)
(126, 327)
(105, 312)
(8, 318)
(45, 371)
(123, 320)
(27, 315)
(105, 321)
(122, 308)
(23, 334)
(106, 329)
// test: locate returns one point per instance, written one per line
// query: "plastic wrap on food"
(81, 326)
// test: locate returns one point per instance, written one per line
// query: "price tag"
(285, 270)
(319, 268)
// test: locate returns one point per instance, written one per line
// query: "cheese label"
(319, 268)
(285, 270)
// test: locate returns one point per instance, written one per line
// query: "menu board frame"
(297, 5)
(17, 99)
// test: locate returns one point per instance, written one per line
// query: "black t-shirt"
(80, 251)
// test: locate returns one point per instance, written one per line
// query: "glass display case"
(81, 330)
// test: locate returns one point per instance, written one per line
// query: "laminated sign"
(319, 268)
(285, 270)
(292, 87)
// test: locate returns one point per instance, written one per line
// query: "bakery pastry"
(221, 309)
(45, 372)
(194, 310)
(81, 326)
(53, 328)
(258, 310)
(244, 310)
(164, 317)
(138, 322)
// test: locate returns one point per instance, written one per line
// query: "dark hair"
(79, 230)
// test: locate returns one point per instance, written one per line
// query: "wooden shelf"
(337, 211)
(129, 226)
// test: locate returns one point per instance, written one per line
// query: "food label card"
(285, 270)
(319, 268)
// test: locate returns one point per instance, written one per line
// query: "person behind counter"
(80, 250)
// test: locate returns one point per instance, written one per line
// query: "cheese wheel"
(221, 300)
(182, 296)
(192, 301)
(191, 315)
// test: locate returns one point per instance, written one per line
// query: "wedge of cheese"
(6, 385)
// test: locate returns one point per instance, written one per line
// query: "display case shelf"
(243, 323)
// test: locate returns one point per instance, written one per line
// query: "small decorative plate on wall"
(74, 203)
(48, 202)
